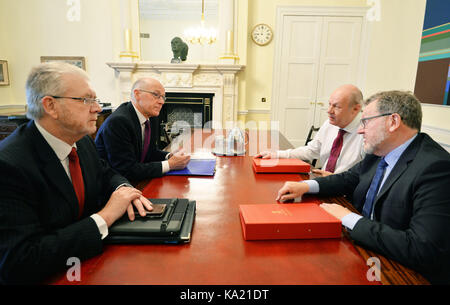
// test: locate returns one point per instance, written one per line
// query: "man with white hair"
(127, 139)
(57, 197)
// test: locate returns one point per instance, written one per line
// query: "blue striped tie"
(373, 189)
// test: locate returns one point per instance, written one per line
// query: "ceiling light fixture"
(201, 35)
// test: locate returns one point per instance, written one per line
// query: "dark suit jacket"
(39, 225)
(412, 210)
(119, 141)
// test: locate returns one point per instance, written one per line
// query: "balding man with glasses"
(400, 188)
(57, 197)
(127, 139)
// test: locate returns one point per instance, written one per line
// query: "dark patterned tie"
(373, 189)
(147, 133)
(335, 151)
(77, 179)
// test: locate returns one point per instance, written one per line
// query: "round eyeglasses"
(155, 94)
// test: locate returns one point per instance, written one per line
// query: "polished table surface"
(218, 254)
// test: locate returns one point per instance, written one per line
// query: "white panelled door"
(317, 55)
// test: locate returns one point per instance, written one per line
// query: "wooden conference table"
(217, 253)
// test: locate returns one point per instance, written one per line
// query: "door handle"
(320, 103)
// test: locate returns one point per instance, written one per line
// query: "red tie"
(77, 178)
(147, 134)
(335, 151)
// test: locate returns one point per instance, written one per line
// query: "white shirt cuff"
(349, 221)
(123, 184)
(282, 154)
(165, 167)
(313, 186)
(101, 224)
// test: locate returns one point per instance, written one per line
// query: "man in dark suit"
(57, 198)
(400, 187)
(121, 140)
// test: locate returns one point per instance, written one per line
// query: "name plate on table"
(287, 221)
(280, 166)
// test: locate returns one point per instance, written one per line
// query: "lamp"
(201, 35)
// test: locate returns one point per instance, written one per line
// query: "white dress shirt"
(142, 119)
(320, 147)
(62, 150)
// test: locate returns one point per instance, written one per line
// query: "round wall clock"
(262, 34)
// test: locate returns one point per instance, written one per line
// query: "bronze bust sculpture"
(179, 49)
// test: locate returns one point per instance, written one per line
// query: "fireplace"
(181, 111)
(219, 80)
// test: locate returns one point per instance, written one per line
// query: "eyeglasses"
(364, 121)
(157, 95)
(86, 100)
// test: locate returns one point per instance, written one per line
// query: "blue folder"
(196, 167)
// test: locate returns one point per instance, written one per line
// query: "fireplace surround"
(218, 80)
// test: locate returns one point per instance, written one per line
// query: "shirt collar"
(142, 119)
(392, 157)
(61, 148)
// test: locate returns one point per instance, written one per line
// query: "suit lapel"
(137, 127)
(53, 170)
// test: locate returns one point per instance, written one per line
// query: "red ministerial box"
(280, 166)
(287, 221)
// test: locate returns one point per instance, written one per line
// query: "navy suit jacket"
(412, 210)
(119, 141)
(39, 225)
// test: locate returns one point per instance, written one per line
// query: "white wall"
(31, 29)
(34, 28)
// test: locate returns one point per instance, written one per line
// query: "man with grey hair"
(399, 188)
(127, 139)
(337, 145)
(57, 197)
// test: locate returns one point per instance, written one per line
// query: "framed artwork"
(433, 72)
(74, 60)
(4, 75)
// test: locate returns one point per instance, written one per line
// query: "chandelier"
(201, 35)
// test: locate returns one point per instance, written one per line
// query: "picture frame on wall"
(78, 61)
(4, 74)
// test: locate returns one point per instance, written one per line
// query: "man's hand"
(178, 160)
(120, 201)
(292, 190)
(336, 210)
(142, 204)
(267, 155)
(321, 173)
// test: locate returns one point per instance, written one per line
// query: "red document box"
(280, 166)
(287, 221)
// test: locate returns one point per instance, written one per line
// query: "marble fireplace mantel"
(220, 79)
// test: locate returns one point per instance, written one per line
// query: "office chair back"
(310, 136)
